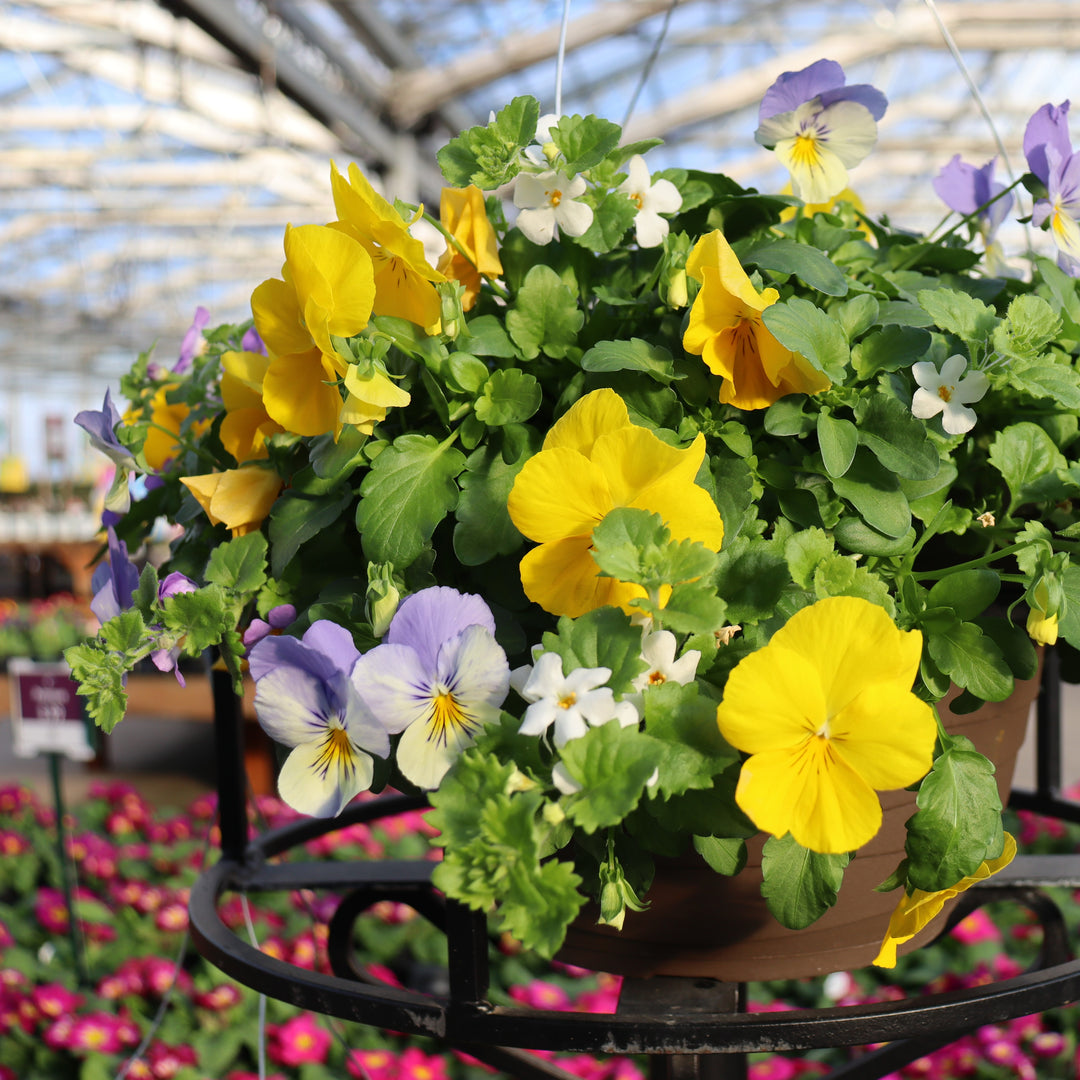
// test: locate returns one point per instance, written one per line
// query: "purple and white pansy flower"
(113, 582)
(1050, 157)
(438, 678)
(970, 189)
(304, 698)
(166, 659)
(100, 425)
(819, 127)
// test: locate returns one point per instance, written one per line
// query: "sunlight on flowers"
(808, 707)
(592, 461)
(726, 330)
(236, 498)
(914, 913)
(462, 213)
(404, 279)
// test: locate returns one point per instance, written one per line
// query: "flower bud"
(676, 294)
(382, 597)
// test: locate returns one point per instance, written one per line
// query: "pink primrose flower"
(51, 911)
(6, 938)
(299, 1040)
(166, 1061)
(383, 974)
(305, 952)
(13, 843)
(222, 996)
(976, 927)
(372, 1064)
(172, 916)
(414, 1064)
(54, 999)
(541, 995)
(776, 1068)
(57, 1036)
(1048, 1044)
(94, 1033)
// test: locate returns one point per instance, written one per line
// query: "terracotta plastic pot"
(702, 924)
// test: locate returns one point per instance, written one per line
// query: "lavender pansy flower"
(968, 189)
(1049, 127)
(166, 659)
(439, 677)
(819, 127)
(305, 699)
(114, 582)
(101, 427)
(193, 342)
(277, 618)
(251, 342)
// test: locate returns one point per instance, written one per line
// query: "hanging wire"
(647, 69)
(561, 56)
(261, 1040)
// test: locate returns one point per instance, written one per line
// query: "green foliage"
(546, 317)
(799, 885)
(489, 156)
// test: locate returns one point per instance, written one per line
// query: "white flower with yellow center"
(948, 393)
(651, 200)
(547, 200)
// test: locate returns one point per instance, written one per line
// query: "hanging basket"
(702, 924)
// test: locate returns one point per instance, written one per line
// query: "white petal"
(663, 197)
(776, 128)
(684, 670)
(563, 780)
(658, 649)
(972, 388)
(925, 404)
(291, 706)
(626, 714)
(637, 177)
(926, 374)
(953, 368)
(650, 229)
(519, 678)
(570, 189)
(539, 717)
(574, 218)
(569, 724)
(364, 727)
(424, 756)
(849, 130)
(474, 667)
(312, 785)
(583, 679)
(597, 706)
(537, 225)
(546, 679)
(531, 190)
(957, 418)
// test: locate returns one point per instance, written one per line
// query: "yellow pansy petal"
(279, 318)
(807, 791)
(817, 173)
(203, 488)
(713, 251)
(376, 389)
(586, 420)
(688, 511)
(297, 396)
(403, 293)
(558, 493)
(563, 578)
(361, 415)
(772, 700)
(243, 497)
(633, 458)
(244, 432)
(888, 755)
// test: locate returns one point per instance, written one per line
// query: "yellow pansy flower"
(237, 498)
(1042, 628)
(166, 419)
(826, 712)
(403, 277)
(726, 330)
(593, 461)
(246, 425)
(915, 912)
(327, 289)
(463, 215)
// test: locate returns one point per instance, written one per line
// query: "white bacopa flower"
(652, 200)
(658, 651)
(569, 702)
(547, 200)
(948, 393)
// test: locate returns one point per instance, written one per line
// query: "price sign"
(46, 713)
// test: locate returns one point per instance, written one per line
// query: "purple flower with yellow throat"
(1050, 157)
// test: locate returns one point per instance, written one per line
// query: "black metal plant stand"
(694, 1028)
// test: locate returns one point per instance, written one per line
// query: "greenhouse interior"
(536, 539)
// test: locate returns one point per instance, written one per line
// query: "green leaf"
(484, 528)
(857, 315)
(689, 609)
(958, 821)
(631, 355)
(538, 910)
(751, 577)
(611, 219)
(510, 396)
(584, 141)
(336, 460)
(487, 337)
(612, 764)
(726, 855)
(889, 349)
(967, 593)
(806, 329)
(899, 441)
(1069, 627)
(545, 316)
(240, 564)
(466, 373)
(838, 440)
(1027, 458)
(875, 492)
(145, 596)
(969, 319)
(853, 534)
(785, 417)
(804, 552)
(604, 637)
(202, 616)
(124, 633)
(971, 659)
(811, 266)
(903, 313)
(408, 491)
(799, 886)
(1030, 325)
(490, 156)
(1059, 383)
(295, 519)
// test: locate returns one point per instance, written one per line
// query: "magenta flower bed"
(150, 1007)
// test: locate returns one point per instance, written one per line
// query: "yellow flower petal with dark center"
(826, 712)
(593, 461)
(914, 913)
(403, 276)
(726, 329)
(236, 498)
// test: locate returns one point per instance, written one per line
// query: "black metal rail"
(694, 1026)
